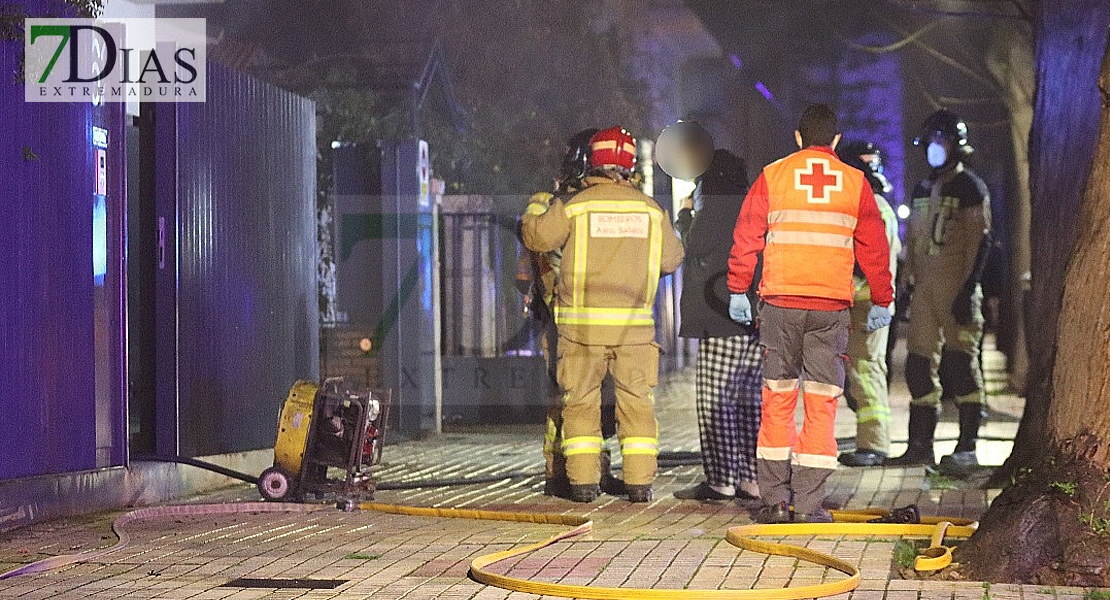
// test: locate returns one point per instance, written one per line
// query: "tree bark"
(1082, 384)
(1070, 38)
(1052, 526)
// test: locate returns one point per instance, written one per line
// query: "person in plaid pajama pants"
(728, 388)
(729, 376)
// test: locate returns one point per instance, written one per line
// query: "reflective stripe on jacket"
(813, 217)
(616, 242)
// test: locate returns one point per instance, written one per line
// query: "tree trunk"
(1053, 525)
(1081, 408)
(1070, 38)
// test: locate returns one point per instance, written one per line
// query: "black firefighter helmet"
(947, 125)
(576, 161)
(852, 154)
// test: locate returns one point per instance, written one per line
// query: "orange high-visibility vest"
(813, 206)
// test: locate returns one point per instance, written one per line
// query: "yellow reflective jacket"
(616, 243)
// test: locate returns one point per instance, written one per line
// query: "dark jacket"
(707, 235)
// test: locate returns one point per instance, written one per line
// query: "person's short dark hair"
(818, 126)
(727, 175)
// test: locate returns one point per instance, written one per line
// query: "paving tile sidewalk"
(663, 544)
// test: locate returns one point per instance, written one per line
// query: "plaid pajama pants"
(729, 389)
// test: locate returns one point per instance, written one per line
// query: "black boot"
(556, 483)
(583, 493)
(772, 514)
(963, 460)
(862, 458)
(639, 493)
(923, 424)
(609, 483)
(557, 486)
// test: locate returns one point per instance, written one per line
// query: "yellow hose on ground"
(741, 536)
(937, 555)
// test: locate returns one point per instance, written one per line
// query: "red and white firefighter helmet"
(613, 147)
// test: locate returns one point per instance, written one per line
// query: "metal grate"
(306, 584)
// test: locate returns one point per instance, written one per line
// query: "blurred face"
(937, 152)
(684, 150)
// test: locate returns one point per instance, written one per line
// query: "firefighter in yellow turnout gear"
(616, 243)
(948, 243)
(537, 276)
(867, 391)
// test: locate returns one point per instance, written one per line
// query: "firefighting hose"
(856, 522)
(341, 408)
(936, 557)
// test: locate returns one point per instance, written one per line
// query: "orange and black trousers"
(804, 353)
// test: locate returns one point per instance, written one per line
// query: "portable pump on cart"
(336, 425)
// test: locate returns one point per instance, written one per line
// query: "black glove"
(902, 304)
(962, 308)
(851, 400)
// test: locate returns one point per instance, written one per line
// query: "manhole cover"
(305, 584)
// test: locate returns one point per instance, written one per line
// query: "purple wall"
(51, 420)
(237, 306)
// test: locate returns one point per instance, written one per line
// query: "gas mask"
(936, 155)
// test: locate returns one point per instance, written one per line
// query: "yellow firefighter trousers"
(555, 464)
(866, 379)
(555, 467)
(635, 371)
(933, 331)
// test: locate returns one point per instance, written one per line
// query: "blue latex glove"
(740, 309)
(878, 317)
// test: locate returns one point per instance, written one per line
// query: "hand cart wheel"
(275, 484)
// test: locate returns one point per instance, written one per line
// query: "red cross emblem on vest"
(817, 179)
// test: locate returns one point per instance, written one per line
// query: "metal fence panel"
(244, 167)
(60, 281)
